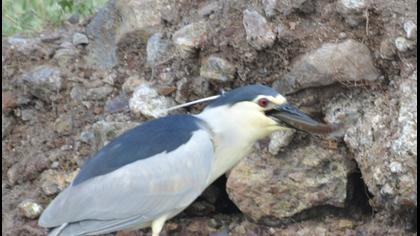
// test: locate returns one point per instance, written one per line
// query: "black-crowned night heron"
(154, 171)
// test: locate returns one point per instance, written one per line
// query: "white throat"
(233, 137)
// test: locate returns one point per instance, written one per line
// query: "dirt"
(34, 142)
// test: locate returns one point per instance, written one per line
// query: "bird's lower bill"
(289, 116)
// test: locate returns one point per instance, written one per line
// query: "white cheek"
(280, 99)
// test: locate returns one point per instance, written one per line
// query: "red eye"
(263, 102)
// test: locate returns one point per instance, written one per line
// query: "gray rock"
(406, 143)
(147, 102)
(117, 104)
(80, 39)
(182, 90)
(209, 9)
(30, 209)
(353, 11)
(158, 50)
(170, 13)
(395, 167)
(387, 49)
(269, 7)
(87, 136)
(200, 87)
(285, 181)
(190, 38)
(66, 45)
(259, 33)
(342, 35)
(382, 135)
(403, 45)
(217, 68)
(117, 19)
(131, 83)
(7, 123)
(23, 45)
(410, 29)
(99, 93)
(78, 93)
(331, 63)
(28, 114)
(63, 124)
(279, 140)
(65, 56)
(54, 181)
(44, 82)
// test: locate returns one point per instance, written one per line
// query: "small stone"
(65, 56)
(117, 104)
(167, 77)
(200, 86)
(55, 165)
(66, 45)
(80, 39)
(395, 167)
(44, 82)
(279, 140)
(147, 102)
(87, 136)
(28, 114)
(217, 68)
(26, 46)
(410, 29)
(209, 9)
(63, 125)
(131, 83)
(342, 35)
(387, 49)
(7, 123)
(259, 33)
(30, 209)
(53, 181)
(352, 11)
(166, 90)
(99, 93)
(78, 93)
(182, 90)
(402, 44)
(74, 19)
(157, 50)
(344, 223)
(190, 37)
(269, 7)
(387, 190)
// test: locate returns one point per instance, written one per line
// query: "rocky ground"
(67, 92)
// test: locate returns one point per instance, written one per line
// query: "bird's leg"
(157, 225)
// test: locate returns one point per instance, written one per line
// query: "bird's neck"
(232, 141)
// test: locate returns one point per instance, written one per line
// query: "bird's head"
(258, 110)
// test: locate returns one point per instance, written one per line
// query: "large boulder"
(271, 189)
(384, 141)
(331, 63)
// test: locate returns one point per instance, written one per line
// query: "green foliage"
(28, 16)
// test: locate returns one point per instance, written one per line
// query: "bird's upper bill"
(289, 116)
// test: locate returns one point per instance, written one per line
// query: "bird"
(154, 171)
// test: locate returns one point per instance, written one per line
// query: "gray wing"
(142, 190)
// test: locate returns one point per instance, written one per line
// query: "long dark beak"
(289, 116)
